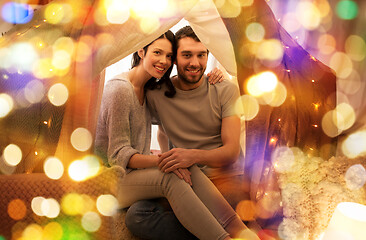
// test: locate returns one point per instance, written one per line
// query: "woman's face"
(158, 58)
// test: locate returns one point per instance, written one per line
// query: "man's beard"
(185, 80)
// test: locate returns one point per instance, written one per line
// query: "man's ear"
(141, 53)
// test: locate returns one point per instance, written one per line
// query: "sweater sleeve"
(119, 103)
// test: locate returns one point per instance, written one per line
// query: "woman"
(123, 137)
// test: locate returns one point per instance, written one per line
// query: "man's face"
(191, 61)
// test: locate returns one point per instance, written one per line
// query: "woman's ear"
(141, 53)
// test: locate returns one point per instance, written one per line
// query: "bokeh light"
(54, 13)
(12, 155)
(36, 205)
(342, 64)
(6, 104)
(34, 91)
(50, 208)
(355, 177)
(16, 13)
(91, 221)
(270, 49)
(118, 12)
(247, 107)
(149, 24)
(355, 47)
(72, 204)
(308, 15)
(246, 210)
(351, 84)
(61, 60)
(276, 97)
(17, 209)
(58, 94)
(329, 126)
(326, 44)
(261, 83)
(80, 170)
(344, 116)
(43, 68)
(347, 9)
(107, 204)
(269, 204)
(22, 56)
(354, 145)
(53, 168)
(52, 231)
(290, 22)
(255, 32)
(81, 139)
(33, 231)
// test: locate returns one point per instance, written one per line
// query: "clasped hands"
(177, 160)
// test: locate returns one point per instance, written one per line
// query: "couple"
(123, 138)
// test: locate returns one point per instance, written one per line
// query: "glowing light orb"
(290, 22)
(61, 60)
(81, 139)
(355, 177)
(246, 210)
(271, 49)
(12, 155)
(54, 13)
(276, 97)
(33, 231)
(308, 15)
(22, 56)
(16, 13)
(118, 12)
(81, 170)
(50, 208)
(247, 107)
(354, 145)
(255, 32)
(91, 221)
(17, 209)
(230, 8)
(344, 116)
(347, 9)
(36, 205)
(329, 124)
(262, 83)
(351, 84)
(6, 104)
(107, 205)
(326, 44)
(43, 68)
(355, 47)
(58, 94)
(83, 52)
(53, 231)
(149, 24)
(53, 168)
(72, 204)
(342, 64)
(34, 91)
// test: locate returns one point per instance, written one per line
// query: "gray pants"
(201, 208)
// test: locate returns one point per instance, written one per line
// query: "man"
(201, 124)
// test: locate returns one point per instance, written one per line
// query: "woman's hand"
(215, 76)
(185, 174)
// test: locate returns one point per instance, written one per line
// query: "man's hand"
(185, 174)
(176, 158)
(215, 76)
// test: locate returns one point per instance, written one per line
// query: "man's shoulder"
(224, 86)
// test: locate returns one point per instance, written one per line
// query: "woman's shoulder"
(119, 87)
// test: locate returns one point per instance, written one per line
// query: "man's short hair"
(184, 32)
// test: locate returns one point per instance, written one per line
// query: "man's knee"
(139, 214)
